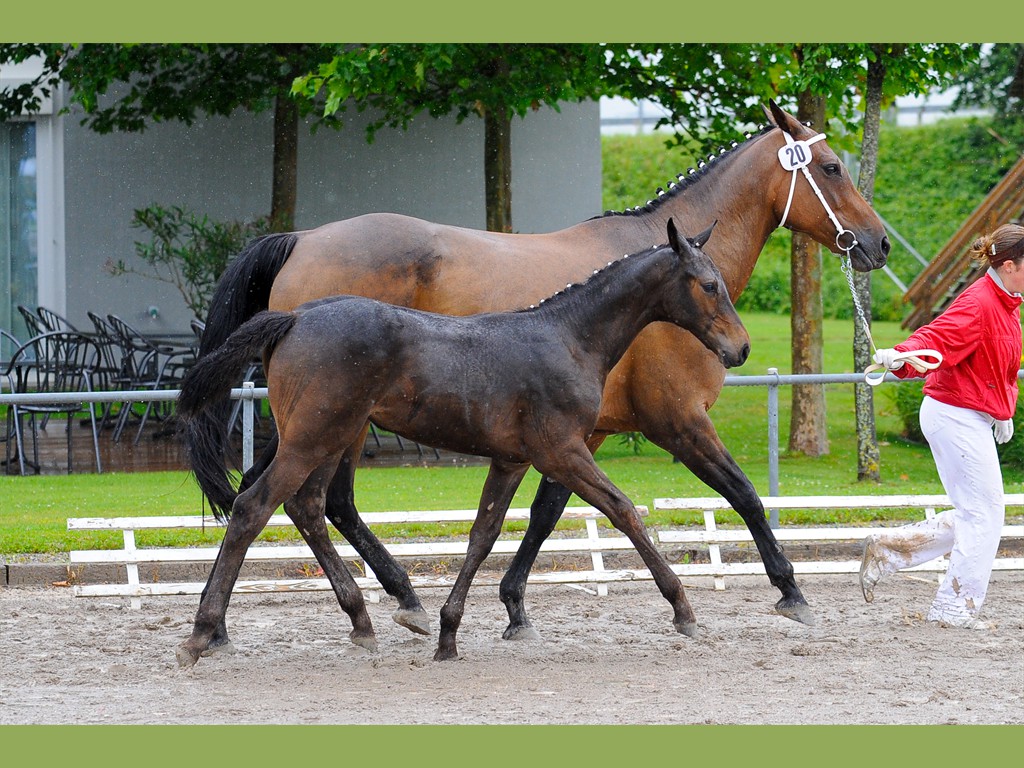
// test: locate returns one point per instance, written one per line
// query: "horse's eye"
(710, 288)
(832, 169)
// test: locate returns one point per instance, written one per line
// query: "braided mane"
(610, 267)
(683, 182)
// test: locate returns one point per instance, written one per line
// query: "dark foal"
(519, 387)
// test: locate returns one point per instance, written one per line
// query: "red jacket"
(979, 337)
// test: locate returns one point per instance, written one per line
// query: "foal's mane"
(609, 269)
(683, 182)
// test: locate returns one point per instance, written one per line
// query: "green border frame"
(519, 21)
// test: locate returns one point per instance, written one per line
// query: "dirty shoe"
(958, 621)
(871, 571)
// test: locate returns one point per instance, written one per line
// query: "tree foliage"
(187, 251)
(126, 87)
(994, 79)
(496, 82)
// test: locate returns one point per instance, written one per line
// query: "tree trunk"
(284, 185)
(808, 426)
(498, 170)
(868, 453)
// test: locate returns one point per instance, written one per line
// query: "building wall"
(222, 168)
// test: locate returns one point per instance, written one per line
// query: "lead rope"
(796, 156)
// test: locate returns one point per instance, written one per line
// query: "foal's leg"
(221, 642)
(249, 515)
(547, 508)
(341, 511)
(698, 446)
(499, 488)
(576, 469)
(306, 510)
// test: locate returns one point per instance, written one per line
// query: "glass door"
(19, 243)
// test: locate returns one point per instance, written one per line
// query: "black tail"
(208, 383)
(243, 290)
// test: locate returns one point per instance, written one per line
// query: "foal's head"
(696, 299)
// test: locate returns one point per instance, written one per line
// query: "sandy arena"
(612, 659)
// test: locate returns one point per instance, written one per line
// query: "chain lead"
(844, 262)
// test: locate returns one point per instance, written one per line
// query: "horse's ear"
(781, 118)
(673, 236)
(703, 237)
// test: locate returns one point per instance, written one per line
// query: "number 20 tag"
(795, 155)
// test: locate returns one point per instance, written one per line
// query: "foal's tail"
(207, 384)
(242, 291)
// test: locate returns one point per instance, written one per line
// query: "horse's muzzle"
(735, 359)
(865, 258)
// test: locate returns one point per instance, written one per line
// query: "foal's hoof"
(185, 658)
(795, 610)
(369, 642)
(446, 654)
(521, 632)
(414, 620)
(226, 648)
(688, 628)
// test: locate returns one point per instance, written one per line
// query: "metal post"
(773, 444)
(247, 424)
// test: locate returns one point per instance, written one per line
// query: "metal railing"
(248, 393)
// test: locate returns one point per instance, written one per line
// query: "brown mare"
(522, 388)
(662, 387)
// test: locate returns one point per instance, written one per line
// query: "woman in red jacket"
(968, 407)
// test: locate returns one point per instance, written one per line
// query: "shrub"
(907, 399)
(186, 251)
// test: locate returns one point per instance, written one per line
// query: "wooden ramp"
(951, 270)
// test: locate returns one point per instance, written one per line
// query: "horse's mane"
(683, 182)
(608, 269)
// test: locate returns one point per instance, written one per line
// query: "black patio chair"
(148, 364)
(112, 373)
(33, 323)
(53, 322)
(9, 344)
(53, 363)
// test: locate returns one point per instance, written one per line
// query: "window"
(19, 242)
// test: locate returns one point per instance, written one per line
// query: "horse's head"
(852, 225)
(698, 300)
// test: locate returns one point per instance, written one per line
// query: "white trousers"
(965, 455)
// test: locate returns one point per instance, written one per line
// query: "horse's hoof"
(414, 620)
(446, 654)
(688, 628)
(797, 611)
(185, 658)
(521, 632)
(369, 642)
(226, 648)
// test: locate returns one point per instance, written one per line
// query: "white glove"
(1003, 431)
(885, 357)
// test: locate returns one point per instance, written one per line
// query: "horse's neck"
(610, 310)
(735, 191)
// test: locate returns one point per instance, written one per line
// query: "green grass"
(35, 509)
